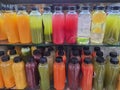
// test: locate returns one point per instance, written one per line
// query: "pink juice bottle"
(71, 25)
(58, 21)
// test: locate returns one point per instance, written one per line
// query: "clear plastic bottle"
(84, 23)
(71, 25)
(73, 74)
(44, 74)
(47, 22)
(58, 24)
(112, 74)
(7, 72)
(98, 25)
(32, 73)
(18, 68)
(112, 26)
(36, 26)
(99, 72)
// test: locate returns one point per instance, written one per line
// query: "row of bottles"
(94, 27)
(48, 68)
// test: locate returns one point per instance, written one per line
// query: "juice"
(10, 24)
(98, 25)
(58, 24)
(96, 49)
(13, 54)
(23, 25)
(47, 22)
(36, 26)
(62, 54)
(18, 68)
(71, 23)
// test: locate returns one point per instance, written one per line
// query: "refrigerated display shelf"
(55, 1)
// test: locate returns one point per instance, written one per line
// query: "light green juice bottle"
(36, 26)
(47, 22)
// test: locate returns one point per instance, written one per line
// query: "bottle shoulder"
(35, 13)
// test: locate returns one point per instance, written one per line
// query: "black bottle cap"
(75, 52)
(99, 53)
(87, 60)
(11, 47)
(47, 53)
(5, 58)
(60, 48)
(21, 8)
(13, 52)
(43, 60)
(74, 48)
(74, 60)
(34, 8)
(50, 49)
(96, 49)
(115, 7)
(17, 59)
(100, 60)
(36, 52)
(85, 48)
(99, 8)
(60, 52)
(7, 8)
(31, 59)
(113, 54)
(2, 53)
(47, 8)
(72, 7)
(59, 59)
(85, 8)
(114, 61)
(87, 52)
(58, 7)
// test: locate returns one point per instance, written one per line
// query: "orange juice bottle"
(23, 25)
(10, 25)
(1, 77)
(59, 74)
(2, 31)
(7, 73)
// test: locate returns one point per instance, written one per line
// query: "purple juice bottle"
(32, 73)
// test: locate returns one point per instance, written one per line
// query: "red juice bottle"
(62, 54)
(96, 49)
(76, 53)
(87, 74)
(32, 73)
(73, 74)
(58, 23)
(85, 48)
(71, 23)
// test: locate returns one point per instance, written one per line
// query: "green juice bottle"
(47, 22)
(36, 26)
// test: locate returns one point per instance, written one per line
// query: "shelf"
(5, 43)
(56, 1)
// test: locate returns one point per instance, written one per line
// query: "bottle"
(98, 54)
(98, 25)
(87, 53)
(112, 74)
(1, 77)
(59, 48)
(9, 49)
(112, 26)
(32, 73)
(25, 53)
(52, 52)
(44, 74)
(47, 22)
(3, 35)
(36, 26)
(23, 24)
(85, 48)
(99, 73)
(18, 68)
(84, 23)
(13, 54)
(58, 24)
(50, 61)
(87, 74)
(10, 19)
(96, 49)
(59, 74)
(61, 53)
(71, 23)
(7, 73)
(73, 74)
(75, 53)
(37, 55)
